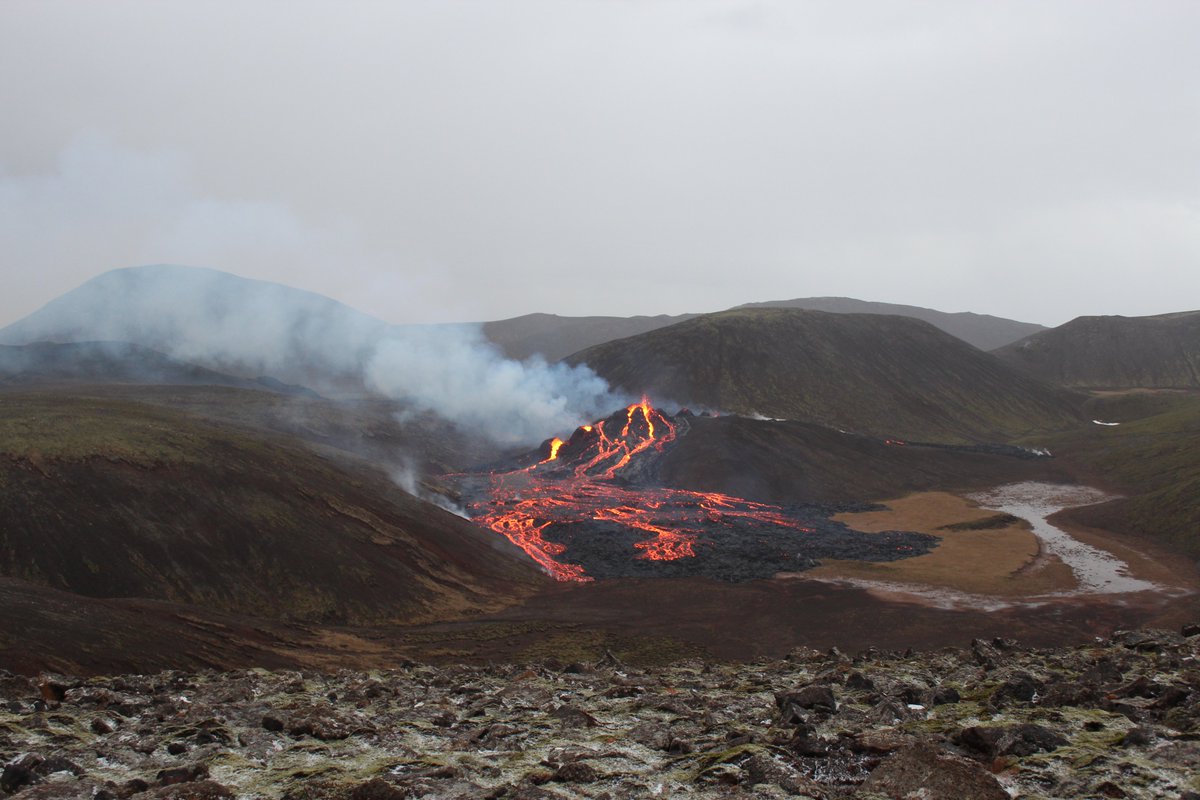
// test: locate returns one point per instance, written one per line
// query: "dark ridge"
(981, 330)
(874, 374)
(1114, 352)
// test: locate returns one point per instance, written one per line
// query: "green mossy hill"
(982, 330)
(1152, 457)
(1114, 352)
(876, 374)
(108, 497)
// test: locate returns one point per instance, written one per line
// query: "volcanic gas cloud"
(593, 506)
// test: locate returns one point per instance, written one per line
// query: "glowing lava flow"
(582, 483)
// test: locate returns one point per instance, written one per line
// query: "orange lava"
(575, 485)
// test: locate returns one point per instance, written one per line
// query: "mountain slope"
(1114, 352)
(889, 376)
(114, 498)
(1152, 458)
(982, 330)
(115, 362)
(211, 318)
(556, 337)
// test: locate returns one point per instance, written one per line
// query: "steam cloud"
(254, 328)
(455, 372)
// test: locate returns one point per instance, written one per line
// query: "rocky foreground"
(1118, 718)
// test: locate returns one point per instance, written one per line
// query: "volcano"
(593, 507)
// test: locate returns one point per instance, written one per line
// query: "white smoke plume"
(408, 478)
(454, 371)
(255, 328)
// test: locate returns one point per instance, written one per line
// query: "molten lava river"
(590, 507)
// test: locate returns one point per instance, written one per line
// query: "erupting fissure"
(585, 481)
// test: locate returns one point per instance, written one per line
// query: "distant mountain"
(556, 337)
(116, 362)
(213, 318)
(109, 497)
(885, 375)
(1114, 352)
(982, 330)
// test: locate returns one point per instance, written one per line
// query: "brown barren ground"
(1147, 558)
(1004, 561)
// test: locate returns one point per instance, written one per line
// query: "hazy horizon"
(455, 161)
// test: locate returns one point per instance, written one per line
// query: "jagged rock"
(132, 787)
(102, 726)
(325, 723)
(1011, 740)
(941, 696)
(169, 777)
(652, 735)
(815, 697)
(63, 790)
(985, 655)
(1141, 686)
(661, 726)
(1021, 687)
(16, 687)
(19, 773)
(609, 661)
(762, 768)
(572, 717)
(1173, 696)
(32, 768)
(1104, 670)
(576, 772)
(857, 682)
(679, 746)
(888, 712)
(196, 790)
(377, 789)
(921, 771)
(1191, 629)
(1139, 736)
(1070, 694)
(881, 741)
(53, 689)
(1149, 640)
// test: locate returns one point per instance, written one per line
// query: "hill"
(556, 337)
(109, 497)
(887, 376)
(90, 363)
(1114, 352)
(1152, 458)
(982, 330)
(204, 316)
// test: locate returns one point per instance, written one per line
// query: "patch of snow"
(1100, 422)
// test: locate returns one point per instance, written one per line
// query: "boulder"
(922, 771)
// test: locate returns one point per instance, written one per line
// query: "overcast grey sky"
(430, 161)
